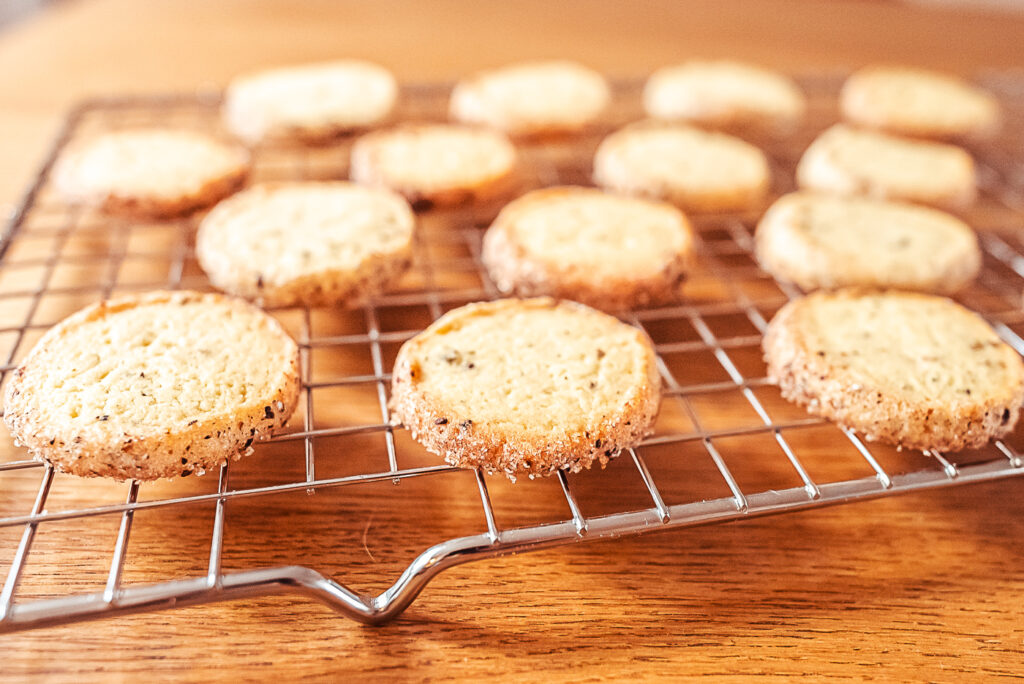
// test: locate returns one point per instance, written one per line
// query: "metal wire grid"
(727, 287)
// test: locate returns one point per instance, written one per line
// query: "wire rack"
(343, 498)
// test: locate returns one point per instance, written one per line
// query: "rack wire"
(726, 446)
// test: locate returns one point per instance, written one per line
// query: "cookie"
(311, 103)
(436, 163)
(152, 172)
(847, 161)
(916, 102)
(724, 94)
(527, 386)
(158, 385)
(826, 241)
(310, 244)
(909, 369)
(612, 252)
(696, 170)
(532, 98)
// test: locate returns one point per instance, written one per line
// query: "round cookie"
(826, 241)
(532, 98)
(908, 369)
(150, 172)
(312, 103)
(612, 252)
(724, 94)
(158, 385)
(916, 102)
(437, 163)
(527, 386)
(696, 170)
(847, 161)
(310, 244)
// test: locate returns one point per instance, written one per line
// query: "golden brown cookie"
(532, 98)
(724, 94)
(908, 369)
(150, 172)
(437, 163)
(157, 385)
(916, 102)
(312, 103)
(828, 241)
(527, 386)
(848, 161)
(612, 252)
(696, 170)
(313, 243)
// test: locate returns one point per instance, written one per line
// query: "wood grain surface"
(923, 587)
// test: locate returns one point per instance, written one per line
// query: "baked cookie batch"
(166, 384)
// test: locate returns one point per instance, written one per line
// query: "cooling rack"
(343, 498)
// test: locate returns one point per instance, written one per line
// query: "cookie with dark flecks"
(527, 386)
(908, 369)
(158, 385)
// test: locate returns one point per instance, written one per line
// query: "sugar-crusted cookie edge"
(515, 272)
(810, 380)
(465, 444)
(155, 454)
(329, 287)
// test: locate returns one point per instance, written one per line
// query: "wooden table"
(922, 587)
